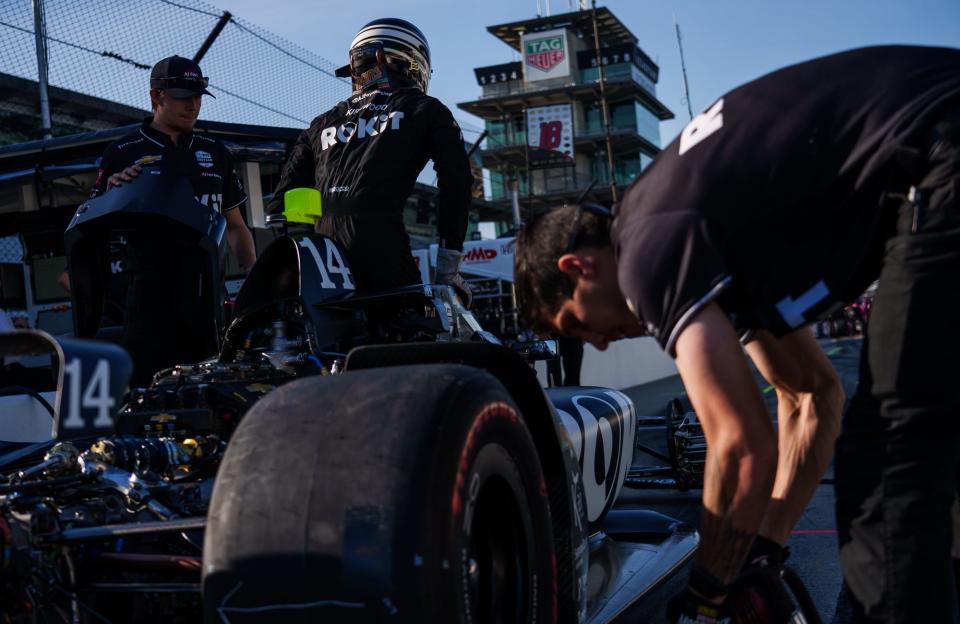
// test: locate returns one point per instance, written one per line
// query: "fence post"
(221, 23)
(40, 34)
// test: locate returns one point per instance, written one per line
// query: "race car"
(345, 456)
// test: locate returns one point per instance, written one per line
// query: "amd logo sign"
(479, 254)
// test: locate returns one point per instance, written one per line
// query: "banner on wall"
(482, 258)
(489, 258)
(550, 135)
(422, 258)
(546, 55)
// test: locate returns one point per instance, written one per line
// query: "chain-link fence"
(105, 49)
(11, 249)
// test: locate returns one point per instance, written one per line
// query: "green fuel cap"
(302, 205)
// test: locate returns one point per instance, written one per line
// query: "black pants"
(377, 248)
(169, 309)
(897, 457)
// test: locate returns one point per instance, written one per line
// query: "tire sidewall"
(494, 444)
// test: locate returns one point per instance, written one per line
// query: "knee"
(829, 395)
(755, 459)
(820, 402)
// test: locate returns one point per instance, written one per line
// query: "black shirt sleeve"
(298, 171)
(233, 192)
(669, 268)
(108, 167)
(454, 178)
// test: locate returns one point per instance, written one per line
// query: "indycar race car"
(345, 456)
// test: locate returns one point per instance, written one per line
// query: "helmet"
(404, 51)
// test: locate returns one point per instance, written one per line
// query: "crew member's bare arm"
(809, 403)
(742, 449)
(64, 280)
(240, 240)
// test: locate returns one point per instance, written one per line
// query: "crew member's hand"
(127, 175)
(448, 272)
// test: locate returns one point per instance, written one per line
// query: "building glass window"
(496, 90)
(620, 71)
(648, 126)
(592, 119)
(623, 116)
(545, 181)
(610, 72)
(500, 185)
(506, 132)
(626, 167)
(497, 185)
(630, 116)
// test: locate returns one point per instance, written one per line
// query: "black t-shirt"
(365, 154)
(769, 202)
(206, 162)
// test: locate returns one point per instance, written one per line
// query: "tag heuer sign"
(546, 55)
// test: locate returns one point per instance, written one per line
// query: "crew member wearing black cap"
(155, 338)
(176, 85)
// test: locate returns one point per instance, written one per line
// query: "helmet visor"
(362, 57)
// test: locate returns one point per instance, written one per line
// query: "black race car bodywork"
(105, 495)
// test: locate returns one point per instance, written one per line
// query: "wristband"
(707, 585)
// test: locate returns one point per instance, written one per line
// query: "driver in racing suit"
(364, 156)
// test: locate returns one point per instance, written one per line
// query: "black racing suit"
(785, 199)
(364, 156)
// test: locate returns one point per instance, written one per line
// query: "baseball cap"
(180, 77)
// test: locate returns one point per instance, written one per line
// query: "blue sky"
(725, 43)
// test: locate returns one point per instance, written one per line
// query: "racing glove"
(765, 553)
(761, 598)
(688, 608)
(692, 605)
(759, 595)
(448, 272)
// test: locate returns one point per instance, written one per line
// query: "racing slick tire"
(407, 494)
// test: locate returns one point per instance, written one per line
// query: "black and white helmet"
(405, 50)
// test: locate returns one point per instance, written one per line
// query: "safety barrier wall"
(624, 364)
